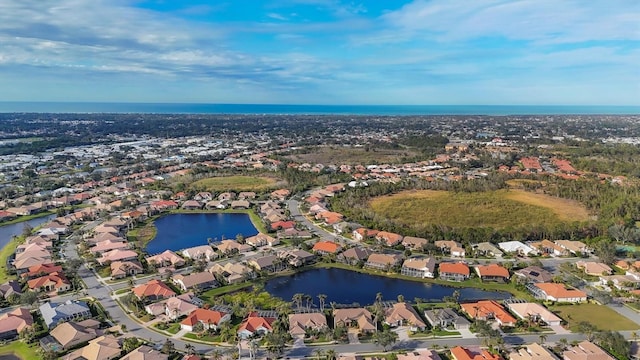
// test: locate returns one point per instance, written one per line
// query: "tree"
(297, 299)
(322, 298)
(168, 347)
(275, 342)
(29, 298)
(400, 298)
(190, 349)
(587, 328)
(331, 354)
(605, 250)
(130, 343)
(319, 353)
(385, 338)
(542, 338)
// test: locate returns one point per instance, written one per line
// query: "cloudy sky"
(572, 52)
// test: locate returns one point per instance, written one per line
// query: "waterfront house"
(105, 347)
(231, 246)
(388, 238)
(153, 290)
(383, 261)
(586, 350)
(354, 255)
(403, 314)
(192, 205)
(422, 268)
(232, 272)
(449, 271)
(533, 351)
(122, 269)
(70, 334)
(534, 312)
(144, 352)
(261, 240)
(450, 247)
(414, 243)
(534, 274)
(55, 313)
(461, 353)
(299, 324)
(240, 204)
(492, 272)
(557, 292)
(488, 310)
(166, 258)
(326, 248)
(297, 258)
(210, 319)
(254, 324)
(201, 280)
(202, 252)
(14, 322)
(359, 318)
(446, 318)
(51, 283)
(266, 263)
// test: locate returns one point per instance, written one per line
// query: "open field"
(497, 209)
(237, 183)
(20, 350)
(352, 155)
(600, 316)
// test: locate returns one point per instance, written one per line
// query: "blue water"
(9, 231)
(180, 231)
(347, 287)
(73, 107)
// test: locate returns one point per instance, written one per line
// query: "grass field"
(497, 209)
(21, 350)
(352, 155)
(601, 316)
(237, 183)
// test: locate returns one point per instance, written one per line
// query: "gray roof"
(52, 313)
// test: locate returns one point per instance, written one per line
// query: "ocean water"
(188, 108)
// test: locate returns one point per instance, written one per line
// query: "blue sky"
(529, 52)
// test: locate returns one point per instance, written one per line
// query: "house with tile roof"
(450, 271)
(492, 272)
(268, 263)
(105, 347)
(534, 274)
(232, 272)
(203, 280)
(574, 247)
(144, 352)
(153, 290)
(166, 258)
(117, 255)
(261, 240)
(533, 351)
(51, 283)
(403, 314)
(422, 268)
(354, 255)
(383, 261)
(488, 310)
(55, 313)
(210, 319)
(594, 268)
(326, 247)
(535, 312)
(557, 292)
(414, 243)
(388, 238)
(254, 324)
(122, 269)
(361, 234)
(462, 353)
(453, 248)
(445, 318)
(14, 322)
(359, 318)
(299, 324)
(586, 350)
(71, 334)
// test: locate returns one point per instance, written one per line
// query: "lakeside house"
(383, 261)
(422, 268)
(202, 252)
(458, 271)
(354, 255)
(557, 292)
(534, 274)
(166, 258)
(492, 272)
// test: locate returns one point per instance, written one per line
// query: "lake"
(9, 231)
(347, 287)
(181, 231)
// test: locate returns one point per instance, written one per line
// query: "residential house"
(388, 238)
(586, 350)
(71, 334)
(621, 282)
(453, 248)
(534, 274)
(461, 353)
(40, 270)
(362, 234)
(383, 261)
(517, 247)
(55, 313)
(247, 195)
(255, 324)
(458, 271)
(326, 248)
(52, 283)
(577, 248)
(297, 258)
(299, 324)
(210, 319)
(359, 318)
(108, 245)
(122, 269)
(202, 252)
(419, 354)
(534, 312)
(145, 352)
(166, 258)
(489, 310)
(414, 243)
(240, 204)
(594, 268)
(422, 268)
(201, 280)
(487, 249)
(533, 351)
(192, 205)
(280, 194)
(492, 272)
(10, 288)
(14, 322)
(403, 314)
(173, 307)
(268, 263)
(232, 272)
(117, 255)
(261, 240)
(231, 246)
(557, 292)
(203, 196)
(105, 347)
(549, 248)
(153, 290)
(354, 255)
(446, 318)
(283, 225)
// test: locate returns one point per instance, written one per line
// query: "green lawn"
(496, 209)
(601, 316)
(208, 295)
(236, 183)
(172, 329)
(21, 349)
(205, 338)
(5, 252)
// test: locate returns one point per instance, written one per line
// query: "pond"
(181, 231)
(9, 231)
(347, 287)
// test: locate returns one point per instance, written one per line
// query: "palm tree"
(542, 338)
(297, 299)
(322, 298)
(330, 354)
(190, 349)
(309, 300)
(319, 353)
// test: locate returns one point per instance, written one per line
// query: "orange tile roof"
(454, 268)
(460, 353)
(487, 309)
(327, 246)
(492, 270)
(204, 316)
(153, 288)
(558, 291)
(253, 323)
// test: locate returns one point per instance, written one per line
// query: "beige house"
(70, 334)
(166, 258)
(532, 351)
(145, 352)
(203, 280)
(403, 314)
(586, 350)
(232, 273)
(202, 252)
(359, 318)
(104, 347)
(299, 323)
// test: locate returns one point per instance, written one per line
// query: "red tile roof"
(492, 270)
(204, 316)
(327, 246)
(155, 288)
(460, 353)
(454, 268)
